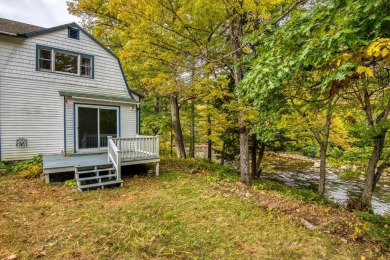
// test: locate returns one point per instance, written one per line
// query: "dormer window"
(73, 33)
(64, 62)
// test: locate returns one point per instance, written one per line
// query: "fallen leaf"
(41, 253)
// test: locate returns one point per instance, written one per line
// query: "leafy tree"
(163, 42)
(343, 45)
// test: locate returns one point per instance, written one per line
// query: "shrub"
(336, 152)
(70, 183)
(33, 171)
(5, 166)
(24, 165)
(309, 151)
(351, 173)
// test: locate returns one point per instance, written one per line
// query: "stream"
(298, 171)
(302, 172)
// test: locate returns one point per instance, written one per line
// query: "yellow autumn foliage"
(378, 50)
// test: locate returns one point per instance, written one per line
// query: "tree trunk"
(254, 155)
(373, 172)
(259, 160)
(321, 184)
(369, 183)
(236, 34)
(156, 110)
(209, 148)
(192, 134)
(156, 105)
(324, 148)
(244, 152)
(381, 168)
(181, 153)
(223, 152)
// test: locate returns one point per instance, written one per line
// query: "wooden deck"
(120, 152)
(58, 163)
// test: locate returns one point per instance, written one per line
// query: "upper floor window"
(73, 33)
(44, 59)
(86, 67)
(66, 62)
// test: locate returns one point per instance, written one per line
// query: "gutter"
(105, 100)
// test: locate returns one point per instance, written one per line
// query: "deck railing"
(114, 156)
(140, 147)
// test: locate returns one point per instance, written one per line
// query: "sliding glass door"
(94, 124)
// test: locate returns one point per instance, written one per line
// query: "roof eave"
(97, 97)
(8, 33)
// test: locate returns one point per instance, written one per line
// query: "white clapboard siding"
(30, 104)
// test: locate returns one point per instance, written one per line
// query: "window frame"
(85, 67)
(63, 72)
(57, 50)
(77, 33)
(43, 59)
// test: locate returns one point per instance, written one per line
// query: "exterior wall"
(30, 104)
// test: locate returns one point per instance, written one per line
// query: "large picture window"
(65, 62)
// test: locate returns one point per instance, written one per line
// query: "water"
(301, 172)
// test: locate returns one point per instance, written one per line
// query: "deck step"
(91, 171)
(101, 184)
(96, 177)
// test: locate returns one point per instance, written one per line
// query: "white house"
(62, 92)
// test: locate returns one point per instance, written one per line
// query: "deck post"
(47, 177)
(108, 147)
(157, 168)
(119, 164)
(158, 145)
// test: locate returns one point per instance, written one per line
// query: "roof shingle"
(18, 28)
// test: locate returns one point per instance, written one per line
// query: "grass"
(175, 215)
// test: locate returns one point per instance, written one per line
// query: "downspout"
(65, 101)
(138, 119)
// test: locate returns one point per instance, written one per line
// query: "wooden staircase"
(88, 177)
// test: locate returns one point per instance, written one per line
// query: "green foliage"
(31, 168)
(335, 152)
(70, 183)
(351, 173)
(378, 228)
(358, 154)
(223, 173)
(310, 151)
(5, 166)
(301, 194)
(24, 165)
(32, 171)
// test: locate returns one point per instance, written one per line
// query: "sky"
(44, 13)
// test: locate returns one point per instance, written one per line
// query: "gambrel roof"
(23, 30)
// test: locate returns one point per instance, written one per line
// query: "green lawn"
(175, 215)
